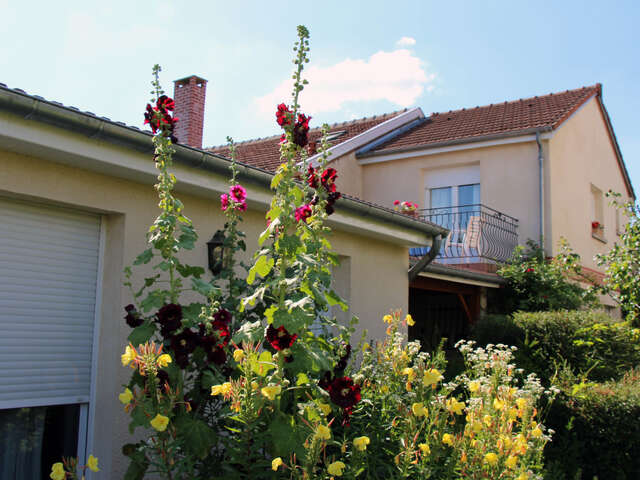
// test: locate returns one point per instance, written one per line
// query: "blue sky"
(98, 56)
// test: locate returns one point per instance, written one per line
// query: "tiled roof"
(546, 111)
(265, 152)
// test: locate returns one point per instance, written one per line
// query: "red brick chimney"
(189, 94)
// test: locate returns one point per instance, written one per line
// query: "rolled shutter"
(48, 277)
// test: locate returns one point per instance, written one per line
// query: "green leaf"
(297, 194)
(144, 257)
(197, 435)
(264, 266)
(189, 271)
(334, 299)
(138, 466)
(267, 232)
(187, 238)
(251, 276)
(268, 313)
(249, 332)
(141, 334)
(287, 437)
(263, 364)
(275, 181)
(202, 287)
(155, 299)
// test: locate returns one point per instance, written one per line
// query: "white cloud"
(398, 77)
(406, 42)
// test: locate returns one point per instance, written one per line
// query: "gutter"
(466, 274)
(38, 109)
(420, 265)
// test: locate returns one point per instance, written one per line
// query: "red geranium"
(279, 338)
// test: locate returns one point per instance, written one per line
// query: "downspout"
(426, 259)
(541, 197)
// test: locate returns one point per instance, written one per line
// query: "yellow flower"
(474, 386)
(521, 403)
(506, 441)
(410, 373)
(238, 355)
(254, 385)
(160, 422)
(128, 356)
(431, 377)
(223, 389)
(336, 468)
(476, 427)
(419, 409)
(385, 388)
(387, 319)
(92, 463)
(361, 443)
(523, 476)
(511, 461)
(454, 406)
(57, 471)
(275, 463)
(513, 414)
(323, 432)
(447, 439)
(410, 321)
(491, 458)
(164, 360)
(463, 457)
(325, 408)
(126, 396)
(271, 392)
(424, 448)
(487, 420)
(536, 432)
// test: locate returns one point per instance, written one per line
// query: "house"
(495, 176)
(76, 201)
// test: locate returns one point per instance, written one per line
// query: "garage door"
(48, 277)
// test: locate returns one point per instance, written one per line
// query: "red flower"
(344, 392)
(182, 345)
(301, 130)
(283, 115)
(223, 316)
(312, 178)
(302, 213)
(159, 118)
(529, 270)
(280, 338)
(224, 202)
(396, 202)
(595, 225)
(328, 179)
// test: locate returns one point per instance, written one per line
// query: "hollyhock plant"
(302, 213)
(132, 318)
(170, 319)
(344, 392)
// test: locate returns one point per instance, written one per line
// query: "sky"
(367, 57)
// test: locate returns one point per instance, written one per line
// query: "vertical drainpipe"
(541, 197)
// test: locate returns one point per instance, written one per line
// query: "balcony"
(479, 238)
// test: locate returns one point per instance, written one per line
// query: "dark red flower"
(529, 270)
(301, 130)
(279, 338)
(312, 178)
(213, 349)
(302, 213)
(223, 316)
(331, 200)
(344, 392)
(163, 376)
(159, 118)
(133, 317)
(170, 319)
(328, 179)
(165, 103)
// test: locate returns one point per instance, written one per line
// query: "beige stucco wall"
(378, 268)
(581, 154)
(508, 180)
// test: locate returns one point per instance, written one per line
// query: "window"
(597, 213)
(454, 206)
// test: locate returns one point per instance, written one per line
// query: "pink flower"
(224, 200)
(302, 213)
(396, 202)
(238, 193)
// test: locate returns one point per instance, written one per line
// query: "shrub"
(597, 431)
(589, 343)
(535, 283)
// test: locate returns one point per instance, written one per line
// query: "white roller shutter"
(48, 275)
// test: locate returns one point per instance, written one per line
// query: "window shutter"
(48, 276)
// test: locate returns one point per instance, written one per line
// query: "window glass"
(469, 194)
(440, 197)
(33, 439)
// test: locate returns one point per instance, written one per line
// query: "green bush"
(588, 343)
(597, 431)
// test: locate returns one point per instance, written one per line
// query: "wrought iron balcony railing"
(477, 234)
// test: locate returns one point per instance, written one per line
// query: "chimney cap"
(185, 80)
